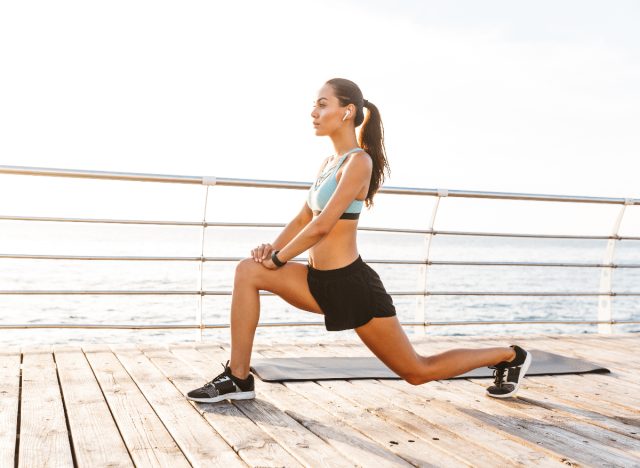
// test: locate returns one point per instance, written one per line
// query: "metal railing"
(605, 294)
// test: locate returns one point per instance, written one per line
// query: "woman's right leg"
(289, 282)
(386, 338)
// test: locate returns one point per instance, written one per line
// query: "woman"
(336, 282)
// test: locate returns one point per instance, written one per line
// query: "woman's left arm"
(355, 175)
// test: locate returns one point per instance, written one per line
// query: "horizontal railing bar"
(58, 292)
(295, 324)
(535, 236)
(147, 326)
(100, 221)
(536, 264)
(102, 326)
(280, 225)
(303, 260)
(104, 257)
(105, 175)
(532, 294)
(131, 176)
(532, 322)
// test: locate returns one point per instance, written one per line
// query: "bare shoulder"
(357, 168)
(361, 160)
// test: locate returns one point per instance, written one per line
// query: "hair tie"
(365, 103)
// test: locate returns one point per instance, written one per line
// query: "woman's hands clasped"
(262, 254)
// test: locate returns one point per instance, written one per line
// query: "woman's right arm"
(290, 231)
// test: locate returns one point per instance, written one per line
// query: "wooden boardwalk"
(99, 406)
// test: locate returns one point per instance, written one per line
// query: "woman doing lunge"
(336, 282)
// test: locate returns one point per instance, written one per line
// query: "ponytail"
(371, 137)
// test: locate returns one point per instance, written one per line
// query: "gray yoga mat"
(351, 368)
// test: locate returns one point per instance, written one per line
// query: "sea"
(51, 238)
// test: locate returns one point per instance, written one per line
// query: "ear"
(352, 112)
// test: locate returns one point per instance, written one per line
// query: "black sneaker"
(515, 371)
(224, 387)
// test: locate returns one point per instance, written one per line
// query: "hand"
(262, 252)
(268, 263)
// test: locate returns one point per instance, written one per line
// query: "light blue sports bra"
(321, 191)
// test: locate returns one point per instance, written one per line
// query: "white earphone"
(346, 114)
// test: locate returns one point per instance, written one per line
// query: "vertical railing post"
(421, 310)
(605, 302)
(207, 181)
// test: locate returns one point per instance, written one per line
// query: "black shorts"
(349, 296)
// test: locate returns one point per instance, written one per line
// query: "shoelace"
(219, 376)
(498, 375)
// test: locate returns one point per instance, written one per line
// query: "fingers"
(268, 264)
(262, 252)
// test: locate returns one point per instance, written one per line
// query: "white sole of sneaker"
(523, 372)
(228, 396)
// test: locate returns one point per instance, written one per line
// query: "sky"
(528, 97)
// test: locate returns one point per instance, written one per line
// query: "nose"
(314, 114)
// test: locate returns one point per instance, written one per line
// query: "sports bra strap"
(345, 155)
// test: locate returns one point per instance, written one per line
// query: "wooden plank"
(586, 408)
(620, 371)
(446, 415)
(252, 444)
(9, 402)
(583, 407)
(352, 444)
(619, 390)
(200, 443)
(497, 449)
(586, 388)
(620, 352)
(144, 434)
(618, 441)
(415, 450)
(618, 344)
(445, 439)
(96, 440)
(44, 440)
(497, 415)
(597, 429)
(307, 447)
(582, 389)
(590, 413)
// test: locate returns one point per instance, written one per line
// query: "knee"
(421, 374)
(415, 379)
(246, 268)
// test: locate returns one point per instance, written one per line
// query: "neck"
(344, 142)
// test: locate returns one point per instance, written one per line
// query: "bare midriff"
(338, 248)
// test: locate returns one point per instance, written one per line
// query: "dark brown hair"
(371, 137)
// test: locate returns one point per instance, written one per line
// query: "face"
(327, 112)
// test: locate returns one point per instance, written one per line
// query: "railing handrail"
(257, 183)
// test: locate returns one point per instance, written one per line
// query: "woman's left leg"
(385, 337)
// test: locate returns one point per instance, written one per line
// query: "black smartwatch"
(275, 260)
